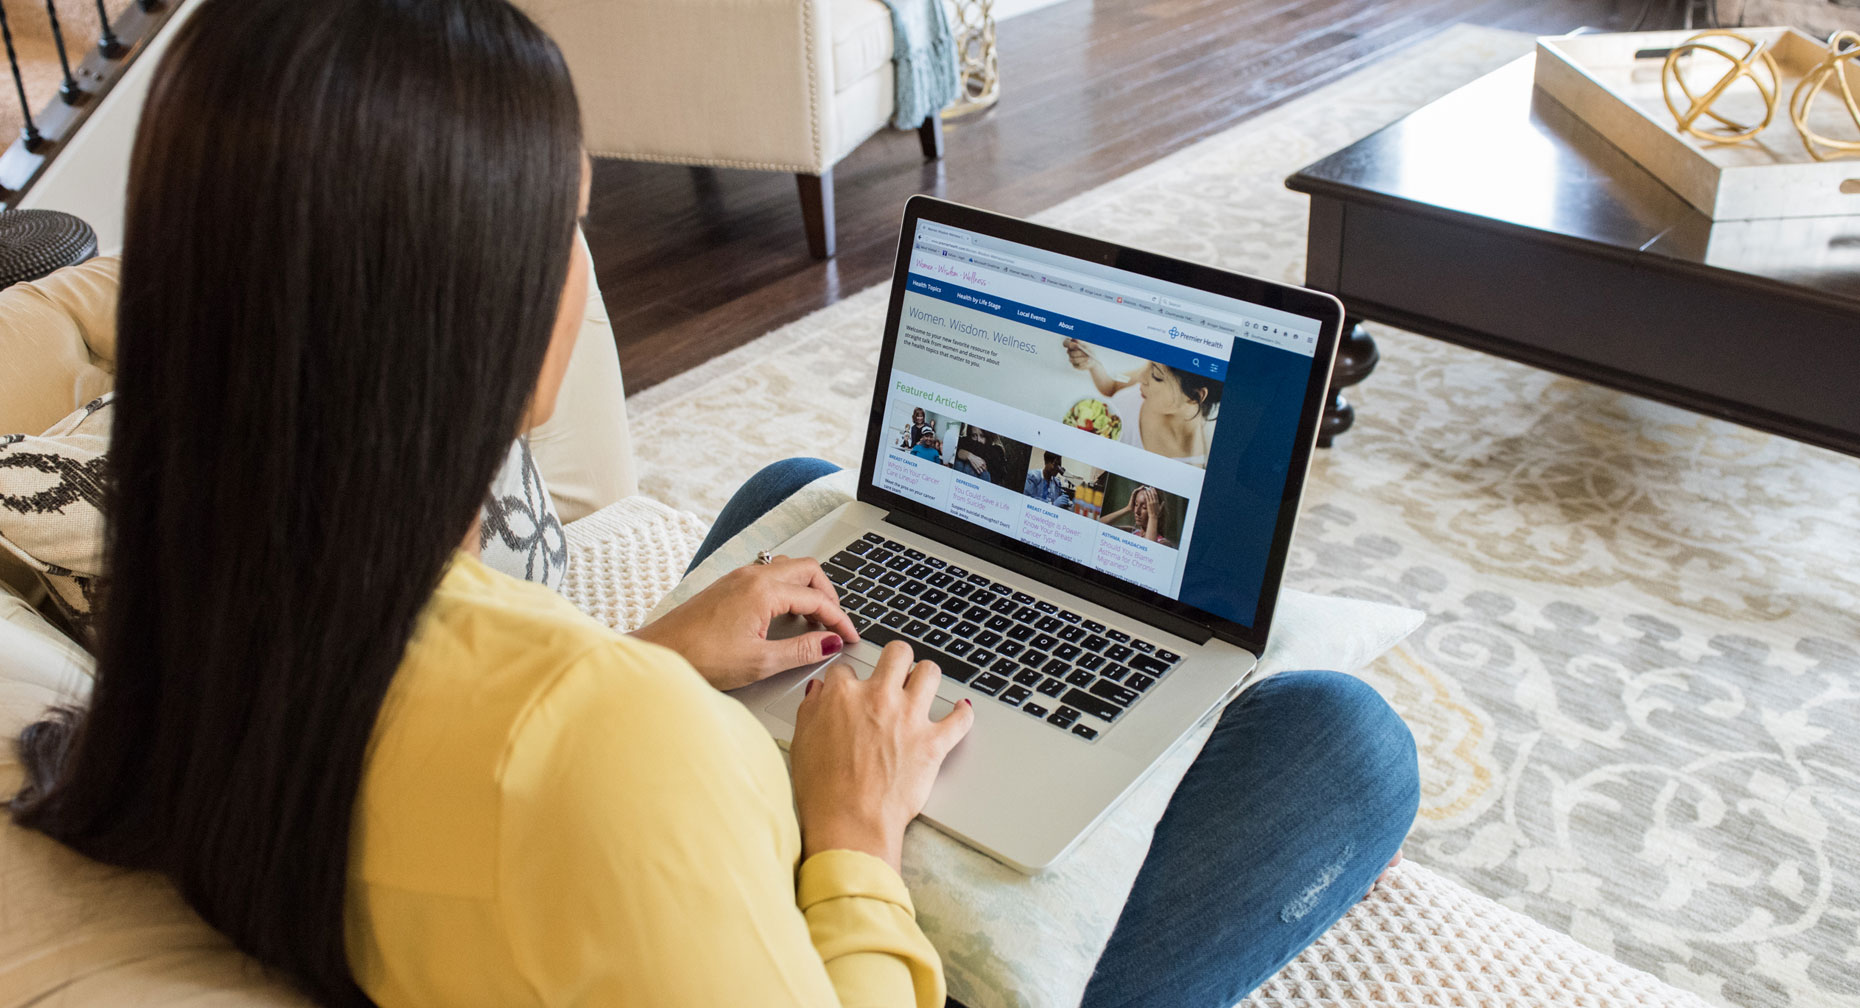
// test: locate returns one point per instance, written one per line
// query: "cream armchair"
(774, 85)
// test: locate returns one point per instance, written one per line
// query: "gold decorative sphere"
(1838, 68)
(1744, 57)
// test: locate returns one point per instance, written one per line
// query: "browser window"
(1089, 411)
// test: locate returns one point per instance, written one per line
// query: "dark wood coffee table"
(1495, 219)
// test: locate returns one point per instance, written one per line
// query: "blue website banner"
(1066, 325)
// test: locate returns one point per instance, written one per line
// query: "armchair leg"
(817, 212)
(930, 135)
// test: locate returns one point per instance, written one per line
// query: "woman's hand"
(1076, 354)
(866, 753)
(723, 631)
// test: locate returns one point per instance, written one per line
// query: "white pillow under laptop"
(1010, 939)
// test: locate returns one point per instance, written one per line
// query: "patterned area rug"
(1637, 691)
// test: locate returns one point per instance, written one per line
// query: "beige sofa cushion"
(74, 932)
(57, 345)
(862, 40)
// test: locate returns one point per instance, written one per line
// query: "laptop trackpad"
(785, 706)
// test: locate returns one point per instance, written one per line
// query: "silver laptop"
(1081, 474)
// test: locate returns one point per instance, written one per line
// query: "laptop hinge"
(1085, 588)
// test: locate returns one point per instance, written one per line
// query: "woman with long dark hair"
(398, 777)
(349, 281)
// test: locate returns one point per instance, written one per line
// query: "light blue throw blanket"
(924, 50)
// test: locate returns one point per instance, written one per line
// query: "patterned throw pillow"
(51, 492)
(520, 533)
(51, 517)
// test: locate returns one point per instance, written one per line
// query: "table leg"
(1356, 358)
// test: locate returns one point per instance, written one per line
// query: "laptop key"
(982, 657)
(921, 570)
(959, 647)
(940, 579)
(934, 562)
(988, 683)
(894, 619)
(1013, 695)
(1050, 687)
(1020, 631)
(838, 573)
(914, 554)
(960, 589)
(1023, 598)
(898, 563)
(1072, 633)
(943, 620)
(1069, 616)
(873, 537)
(1169, 656)
(1080, 677)
(1033, 708)
(1047, 624)
(1096, 706)
(923, 610)
(1028, 677)
(1011, 648)
(1150, 664)
(1093, 625)
(1045, 642)
(1027, 614)
(1093, 642)
(891, 579)
(1142, 645)
(912, 586)
(933, 596)
(1090, 661)
(1004, 606)
(1117, 635)
(998, 622)
(978, 579)
(861, 585)
(879, 593)
(953, 667)
(871, 570)
(1046, 607)
(954, 606)
(1122, 696)
(988, 638)
(915, 628)
(1056, 667)
(872, 611)
(1114, 671)
(1118, 653)
(1034, 658)
(965, 629)
(1064, 716)
(976, 614)
(893, 544)
(1138, 681)
(847, 558)
(937, 638)
(1086, 732)
(1066, 651)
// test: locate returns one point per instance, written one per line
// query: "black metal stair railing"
(43, 134)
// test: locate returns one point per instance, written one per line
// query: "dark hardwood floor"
(694, 262)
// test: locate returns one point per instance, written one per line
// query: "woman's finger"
(802, 571)
(894, 663)
(810, 603)
(954, 726)
(920, 685)
(805, 649)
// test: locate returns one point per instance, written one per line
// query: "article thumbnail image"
(1143, 510)
(1152, 406)
(984, 454)
(927, 435)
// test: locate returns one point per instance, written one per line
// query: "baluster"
(107, 43)
(70, 92)
(30, 132)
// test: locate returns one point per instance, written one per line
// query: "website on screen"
(1109, 418)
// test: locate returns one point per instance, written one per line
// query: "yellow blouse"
(552, 814)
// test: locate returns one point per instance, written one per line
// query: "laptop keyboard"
(1074, 673)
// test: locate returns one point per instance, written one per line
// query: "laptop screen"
(1136, 427)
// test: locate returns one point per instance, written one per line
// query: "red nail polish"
(832, 644)
(811, 684)
(966, 702)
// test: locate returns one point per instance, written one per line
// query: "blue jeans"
(1301, 796)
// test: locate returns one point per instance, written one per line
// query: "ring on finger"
(765, 557)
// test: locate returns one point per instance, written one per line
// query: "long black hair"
(349, 225)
